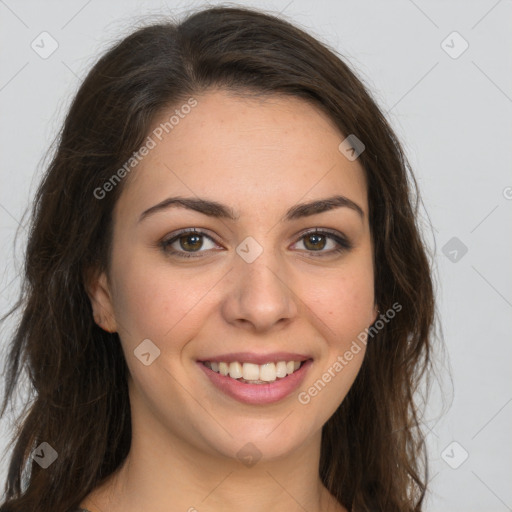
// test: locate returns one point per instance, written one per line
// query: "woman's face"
(256, 288)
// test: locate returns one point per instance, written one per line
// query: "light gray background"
(453, 116)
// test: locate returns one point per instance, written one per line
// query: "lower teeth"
(241, 379)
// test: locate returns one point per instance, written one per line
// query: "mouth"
(251, 373)
(270, 381)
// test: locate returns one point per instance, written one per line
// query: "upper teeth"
(267, 372)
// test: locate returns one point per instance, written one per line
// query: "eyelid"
(173, 237)
(186, 231)
(324, 231)
(342, 242)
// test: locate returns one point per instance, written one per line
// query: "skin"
(259, 157)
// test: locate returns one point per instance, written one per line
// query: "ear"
(98, 290)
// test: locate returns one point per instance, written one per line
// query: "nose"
(260, 295)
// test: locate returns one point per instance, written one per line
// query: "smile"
(256, 384)
(251, 373)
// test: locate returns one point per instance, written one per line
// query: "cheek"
(345, 304)
(152, 301)
(346, 309)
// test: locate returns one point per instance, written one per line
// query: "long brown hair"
(373, 454)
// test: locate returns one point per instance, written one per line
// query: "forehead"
(242, 151)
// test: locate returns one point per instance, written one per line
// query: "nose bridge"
(261, 294)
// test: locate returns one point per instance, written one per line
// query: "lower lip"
(258, 394)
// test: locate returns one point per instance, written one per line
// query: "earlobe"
(98, 290)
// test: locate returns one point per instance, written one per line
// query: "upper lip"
(250, 357)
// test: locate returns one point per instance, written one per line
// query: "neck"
(164, 472)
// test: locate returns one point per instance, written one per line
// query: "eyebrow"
(219, 210)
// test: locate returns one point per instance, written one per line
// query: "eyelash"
(343, 243)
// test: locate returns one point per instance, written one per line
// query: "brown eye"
(314, 241)
(187, 242)
(190, 242)
(317, 241)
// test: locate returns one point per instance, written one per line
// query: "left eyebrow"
(322, 205)
(219, 210)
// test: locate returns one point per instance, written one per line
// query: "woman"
(227, 299)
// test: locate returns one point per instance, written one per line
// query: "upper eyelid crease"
(218, 210)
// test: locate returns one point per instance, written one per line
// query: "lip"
(257, 394)
(250, 357)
